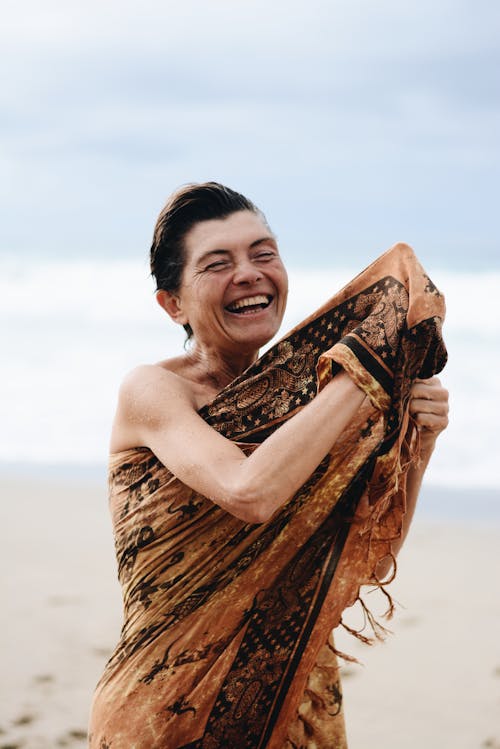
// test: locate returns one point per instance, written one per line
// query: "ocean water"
(71, 330)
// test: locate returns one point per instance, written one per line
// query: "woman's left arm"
(429, 408)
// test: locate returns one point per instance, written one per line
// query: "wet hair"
(186, 207)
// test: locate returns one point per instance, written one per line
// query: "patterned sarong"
(226, 642)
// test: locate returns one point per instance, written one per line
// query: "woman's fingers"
(431, 421)
(429, 404)
(430, 389)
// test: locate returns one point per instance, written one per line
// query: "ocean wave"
(72, 329)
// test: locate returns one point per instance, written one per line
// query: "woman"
(240, 543)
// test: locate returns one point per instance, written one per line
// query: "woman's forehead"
(238, 230)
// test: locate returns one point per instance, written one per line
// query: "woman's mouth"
(250, 304)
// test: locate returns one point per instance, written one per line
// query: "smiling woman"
(232, 270)
(251, 498)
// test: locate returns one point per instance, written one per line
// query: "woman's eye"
(265, 255)
(217, 265)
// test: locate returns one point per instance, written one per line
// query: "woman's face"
(234, 285)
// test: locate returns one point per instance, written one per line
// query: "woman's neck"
(216, 368)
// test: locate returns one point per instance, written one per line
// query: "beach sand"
(434, 683)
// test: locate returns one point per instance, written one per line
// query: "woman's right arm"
(156, 410)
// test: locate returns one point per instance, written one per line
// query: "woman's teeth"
(249, 303)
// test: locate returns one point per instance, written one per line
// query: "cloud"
(281, 49)
(322, 112)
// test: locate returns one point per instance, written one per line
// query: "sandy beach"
(434, 683)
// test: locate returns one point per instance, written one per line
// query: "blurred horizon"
(73, 329)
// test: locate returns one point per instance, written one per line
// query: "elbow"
(260, 515)
(254, 517)
(250, 505)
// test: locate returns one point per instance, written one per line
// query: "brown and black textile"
(226, 641)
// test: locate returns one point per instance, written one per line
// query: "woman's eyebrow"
(206, 255)
(263, 240)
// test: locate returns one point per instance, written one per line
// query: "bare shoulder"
(150, 388)
(150, 397)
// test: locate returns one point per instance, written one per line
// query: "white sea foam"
(71, 330)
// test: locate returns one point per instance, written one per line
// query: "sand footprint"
(24, 720)
(43, 679)
(72, 736)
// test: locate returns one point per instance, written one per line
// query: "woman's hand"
(429, 407)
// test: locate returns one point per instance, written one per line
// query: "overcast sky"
(351, 124)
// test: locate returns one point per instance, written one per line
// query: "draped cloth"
(226, 641)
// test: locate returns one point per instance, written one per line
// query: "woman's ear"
(171, 303)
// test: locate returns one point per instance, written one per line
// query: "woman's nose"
(246, 272)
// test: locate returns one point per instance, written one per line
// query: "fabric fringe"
(382, 495)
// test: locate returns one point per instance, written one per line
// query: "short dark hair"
(186, 207)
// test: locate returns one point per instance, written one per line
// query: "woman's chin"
(254, 335)
(259, 328)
